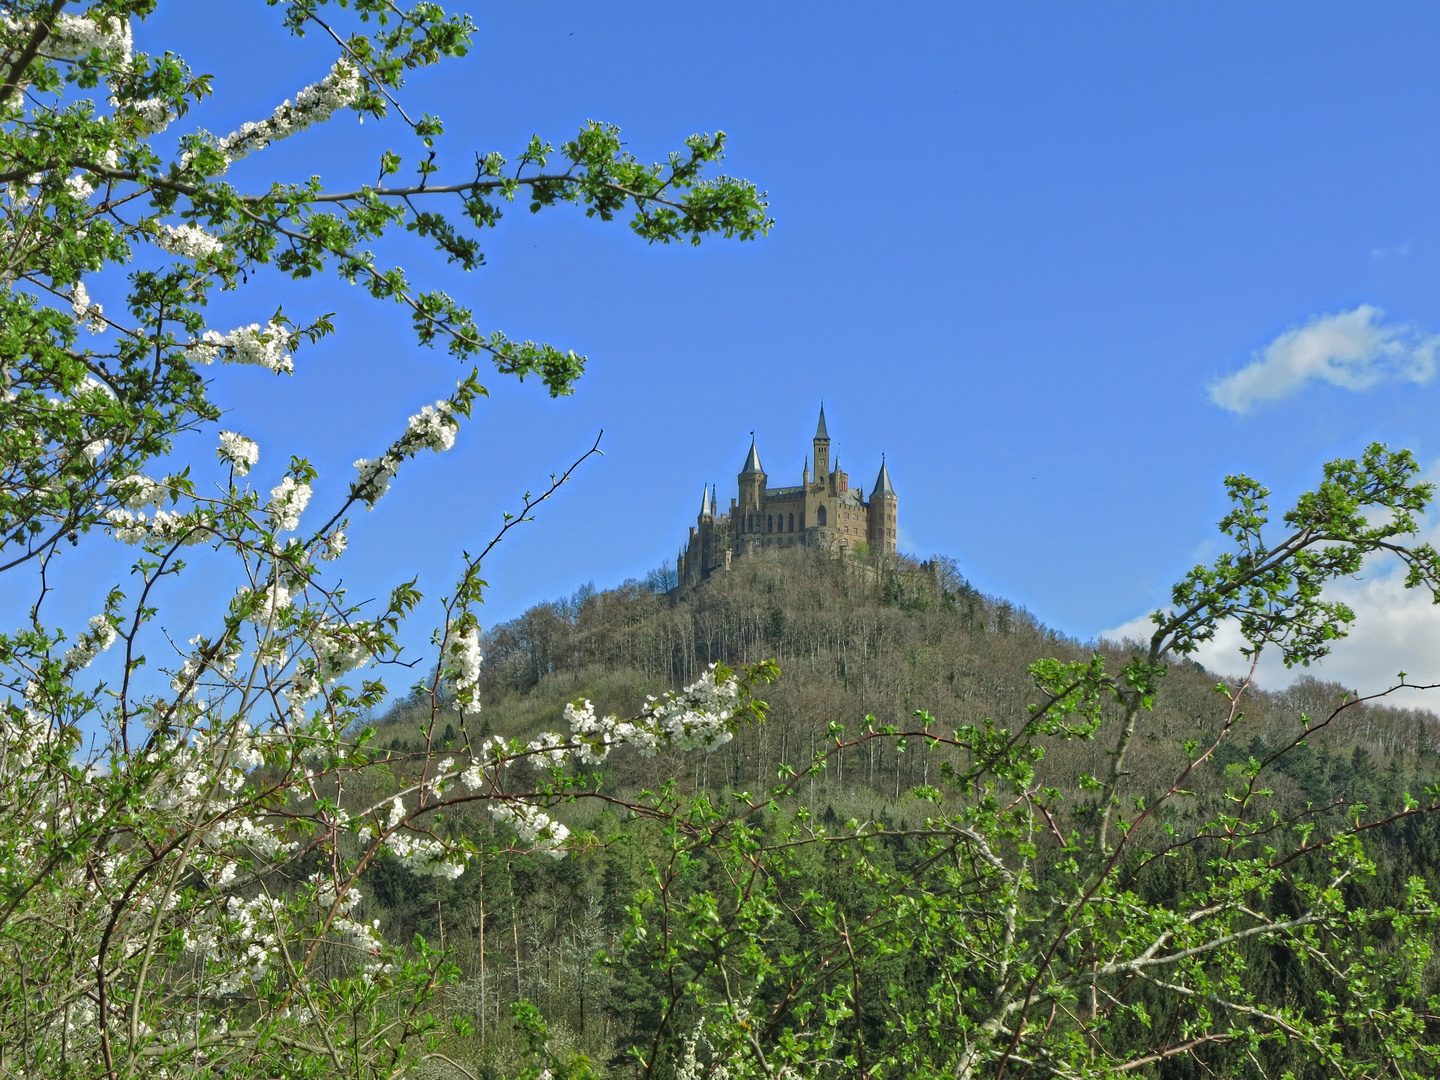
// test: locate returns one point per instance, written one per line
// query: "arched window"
(769, 522)
(820, 517)
(792, 522)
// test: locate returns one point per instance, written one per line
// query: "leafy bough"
(1034, 928)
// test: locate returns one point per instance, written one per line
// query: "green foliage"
(1238, 893)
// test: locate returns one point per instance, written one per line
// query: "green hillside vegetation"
(857, 647)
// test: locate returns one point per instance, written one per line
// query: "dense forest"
(858, 646)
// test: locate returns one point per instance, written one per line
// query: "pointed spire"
(752, 462)
(882, 482)
(820, 432)
(705, 504)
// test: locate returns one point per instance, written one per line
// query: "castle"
(824, 512)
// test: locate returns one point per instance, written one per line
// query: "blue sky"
(1016, 247)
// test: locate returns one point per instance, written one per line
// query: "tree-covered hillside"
(860, 648)
(855, 647)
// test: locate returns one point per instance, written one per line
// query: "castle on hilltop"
(825, 512)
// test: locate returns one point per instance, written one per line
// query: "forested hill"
(851, 644)
(854, 643)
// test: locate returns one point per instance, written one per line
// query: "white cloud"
(1399, 251)
(1351, 349)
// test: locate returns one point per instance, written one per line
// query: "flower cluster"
(246, 934)
(153, 115)
(248, 345)
(220, 658)
(462, 667)
(79, 188)
(87, 314)
(190, 241)
(274, 598)
(339, 651)
(698, 717)
(547, 751)
(313, 105)
(287, 501)
(166, 527)
(423, 856)
(364, 937)
(138, 491)
(487, 754)
(74, 36)
(533, 826)
(238, 451)
(91, 644)
(334, 544)
(432, 428)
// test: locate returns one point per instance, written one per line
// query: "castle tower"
(822, 449)
(883, 513)
(752, 492)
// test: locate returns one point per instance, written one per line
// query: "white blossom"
(248, 345)
(313, 105)
(153, 115)
(287, 501)
(547, 751)
(698, 717)
(222, 661)
(334, 544)
(127, 527)
(534, 827)
(421, 855)
(190, 241)
(238, 451)
(488, 752)
(274, 598)
(79, 187)
(432, 428)
(91, 644)
(463, 659)
(339, 651)
(89, 315)
(138, 491)
(375, 476)
(74, 36)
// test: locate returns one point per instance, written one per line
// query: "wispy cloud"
(1352, 349)
(1399, 251)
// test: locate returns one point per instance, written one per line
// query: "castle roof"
(882, 482)
(752, 462)
(705, 508)
(820, 432)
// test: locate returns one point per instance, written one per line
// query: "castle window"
(792, 522)
(769, 523)
(820, 517)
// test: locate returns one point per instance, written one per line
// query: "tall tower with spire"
(822, 447)
(884, 513)
(822, 511)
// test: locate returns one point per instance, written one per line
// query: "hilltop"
(860, 643)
